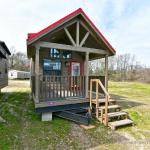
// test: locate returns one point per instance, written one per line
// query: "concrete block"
(47, 116)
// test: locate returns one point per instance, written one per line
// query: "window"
(75, 69)
(51, 67)
(54, 53)
(67, 54)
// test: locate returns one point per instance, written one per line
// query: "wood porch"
(61, 92)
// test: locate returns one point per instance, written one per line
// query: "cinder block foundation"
(47, 116)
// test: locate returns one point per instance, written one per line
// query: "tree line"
(122, 67)
(18, 61)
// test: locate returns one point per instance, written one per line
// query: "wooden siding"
(3, 72)
(76, 56)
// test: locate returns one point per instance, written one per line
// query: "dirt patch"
(84, 140)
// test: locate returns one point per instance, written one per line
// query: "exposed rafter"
(70, 37)
(87, 29)
(77, 42)
(84, 39)
(77, 33)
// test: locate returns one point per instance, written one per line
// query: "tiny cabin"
(4, 55)
(16, 74)
(59, 57)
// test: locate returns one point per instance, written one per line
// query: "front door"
(75, 75)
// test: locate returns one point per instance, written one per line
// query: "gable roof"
(33, 36)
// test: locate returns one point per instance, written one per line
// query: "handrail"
(106, 98)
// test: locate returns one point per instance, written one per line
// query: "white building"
(16, 74)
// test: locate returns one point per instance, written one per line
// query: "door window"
(75, 69)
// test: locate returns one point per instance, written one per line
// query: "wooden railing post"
(91, 94)
(106, 110)
(87, 74)
(97, 104)
(97, 81)
(37, 74)
(106, 72)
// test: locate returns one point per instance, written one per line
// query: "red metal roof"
(32, 36)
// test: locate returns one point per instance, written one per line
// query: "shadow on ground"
(125, 102)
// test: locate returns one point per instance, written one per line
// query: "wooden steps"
(106, 109)
(110, 107)
(102, 100)
(116, 114)
(119, 123)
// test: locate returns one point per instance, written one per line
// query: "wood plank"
(70, 37)
(67, 78)
(37, 73)
(110, 107)
(87, 74)
(71, 48)
(102, 100)
(77, 33)
(84, 39)
(97, 104)
(116, 114)
(80, 87)
(60, 87)
(106, 72)
(61, 102)
(45, 86)
(49, 85)
(119, 123)
(64, 86)
(53, 86)
(73, 86)
(57, 85)
(87, 127)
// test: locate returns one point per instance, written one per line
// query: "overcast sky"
(125, 23)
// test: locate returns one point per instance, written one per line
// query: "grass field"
(23, 128)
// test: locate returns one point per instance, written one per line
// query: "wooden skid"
(119, 123)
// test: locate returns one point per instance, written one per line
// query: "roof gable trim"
(34, 36)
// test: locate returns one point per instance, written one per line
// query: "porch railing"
(59, 87)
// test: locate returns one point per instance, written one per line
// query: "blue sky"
(125, 23)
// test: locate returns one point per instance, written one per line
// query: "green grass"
(24, 130)
(135, 98)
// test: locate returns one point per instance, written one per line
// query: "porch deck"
(56, 93)
(62, 104)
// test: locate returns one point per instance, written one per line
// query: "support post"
(87, 74)
(106, 72)
(31, 72)
(37, 74)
